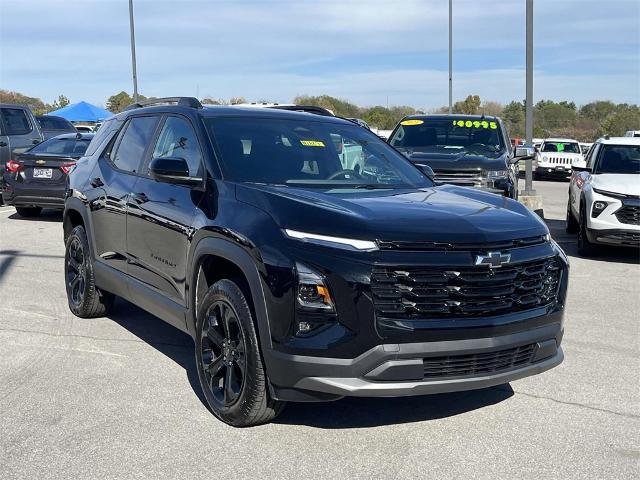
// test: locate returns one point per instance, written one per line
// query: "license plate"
(42, 173)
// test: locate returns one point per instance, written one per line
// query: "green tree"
(469, 106)
(597, 110)
(118, 102)
(513, 116)
(626, 117)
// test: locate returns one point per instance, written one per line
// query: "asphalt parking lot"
(118, 397)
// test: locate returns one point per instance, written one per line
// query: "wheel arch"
(213, 259)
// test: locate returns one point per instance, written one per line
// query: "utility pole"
(528, 123)
(133, 53)
(450, 57)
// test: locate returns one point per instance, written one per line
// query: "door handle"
(3, 144)
(35, 141)
(96, 182)
(139, 197)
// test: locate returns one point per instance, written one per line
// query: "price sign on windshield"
(475, 124)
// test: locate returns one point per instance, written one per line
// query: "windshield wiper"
(372, 186)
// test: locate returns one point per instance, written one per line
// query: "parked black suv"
(301, 278)
(464, 150)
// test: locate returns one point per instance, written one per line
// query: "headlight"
(545, 158)
(312, 289)
(493, 174)
(336, 242)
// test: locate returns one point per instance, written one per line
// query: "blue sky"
(364, 51)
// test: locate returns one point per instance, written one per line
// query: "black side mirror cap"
(580, 169)
(172, 170)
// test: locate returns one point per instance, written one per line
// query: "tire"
(84, 298)
(230, 367)
(572, 225)
(28, 212)
(585, 247)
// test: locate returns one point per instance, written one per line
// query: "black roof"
(211, 111)
(445, 116)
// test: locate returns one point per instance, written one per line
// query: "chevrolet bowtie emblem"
(40, 162)
(493, 259)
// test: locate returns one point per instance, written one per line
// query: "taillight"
(13, 166)
(67, 167)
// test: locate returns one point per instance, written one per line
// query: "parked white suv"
(556, 156)
(604, 195)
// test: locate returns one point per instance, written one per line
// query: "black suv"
(301, 274)
(464, 150)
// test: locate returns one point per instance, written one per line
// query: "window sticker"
(560, 147)
(312, 143)
(412, 122)
(475, 124)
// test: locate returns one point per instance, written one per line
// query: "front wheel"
(585, 247)
(228, 359)
(571, 222)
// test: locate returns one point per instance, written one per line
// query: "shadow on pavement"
(345, 413)
(173, 343)
(569, 244)
(47, 215)
(352, 412)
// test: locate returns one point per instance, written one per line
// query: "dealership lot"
(118, 397)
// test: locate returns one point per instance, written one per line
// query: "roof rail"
(179, 101)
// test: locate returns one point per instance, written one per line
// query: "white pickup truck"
(556, 157)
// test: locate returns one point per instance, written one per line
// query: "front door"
(160, 216)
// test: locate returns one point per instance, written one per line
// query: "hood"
(444, 213)
(459, 160)
(626, 184)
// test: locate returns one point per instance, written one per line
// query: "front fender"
(234, 253)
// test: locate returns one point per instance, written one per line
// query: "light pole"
(133, 53)
(528, 122)
(450, 57)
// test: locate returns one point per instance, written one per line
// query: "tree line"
(550, 118)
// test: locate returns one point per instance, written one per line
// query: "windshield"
(451, 133)
(561, 147)
(308, 153)
(619, 159)
(72, 147)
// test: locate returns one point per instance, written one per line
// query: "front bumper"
(619, 237)
(392, 370)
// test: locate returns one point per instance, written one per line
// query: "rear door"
(110, 186)
(160, 216)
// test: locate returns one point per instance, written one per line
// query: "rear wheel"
(228, 358)
(84, 298)
(28, 211)
(571, 222)
(585, 247)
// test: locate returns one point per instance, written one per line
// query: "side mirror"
(579, 168)
(172, 170)
(523, 152)
(427, 170)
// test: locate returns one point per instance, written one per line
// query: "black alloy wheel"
(222, 352)
(76, 272)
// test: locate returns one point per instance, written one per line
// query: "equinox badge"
(493, 259)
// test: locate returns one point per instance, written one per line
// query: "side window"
(591, 156)
(16, 121)
(177, 139)
(137, 135)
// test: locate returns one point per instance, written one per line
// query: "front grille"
(471, 178)
(629, 214)
(444, 246)
(559, 160)
(478, 363)
(463, 292)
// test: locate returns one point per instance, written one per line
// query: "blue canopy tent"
(82, 112)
